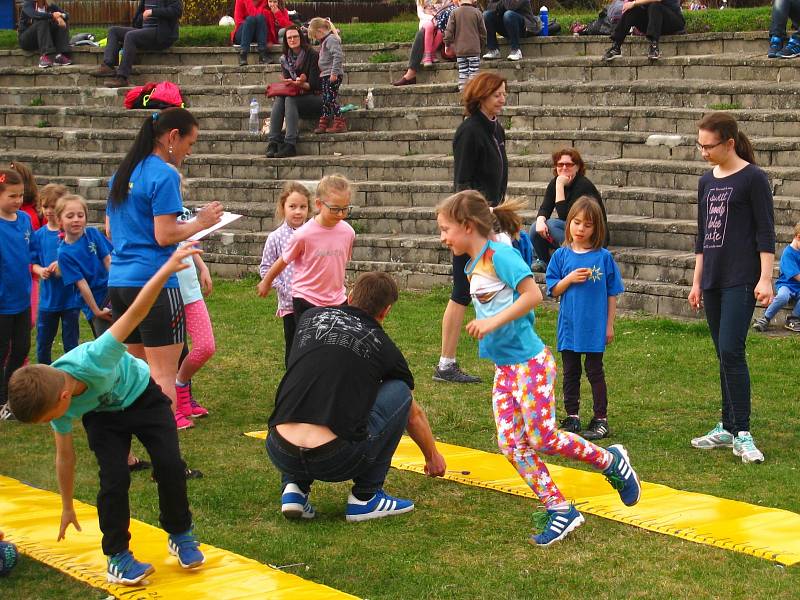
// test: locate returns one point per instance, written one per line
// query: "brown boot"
(339, 125)
(105, 71)
(323, 124)
(117, 82)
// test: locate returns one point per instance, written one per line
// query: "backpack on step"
(164, 94)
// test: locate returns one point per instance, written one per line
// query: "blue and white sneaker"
(380, 505)
(187, 549)
(126, 570)
(295, 504)
(557, 526)
(775, 46)
(791, 49)
(622, 477)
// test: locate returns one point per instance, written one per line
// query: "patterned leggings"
(525, 415)
(330, 96)
(467, 69)
(198, 324)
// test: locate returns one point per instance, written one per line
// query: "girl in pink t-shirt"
(319, 251)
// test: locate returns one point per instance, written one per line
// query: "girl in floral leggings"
(504, 294)
(331, 71)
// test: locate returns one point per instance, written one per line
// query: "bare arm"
(530, 296)
(65, 473)
(265, 285)
(420, 431)
(204, 275)
(88, 297)
(169, 230)
(612, 315)
(763, 291)
(696, 294)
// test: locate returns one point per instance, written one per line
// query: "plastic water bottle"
(544, 15)
(255, 125)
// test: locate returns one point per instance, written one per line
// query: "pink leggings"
(198, 325)
(433, 37)
(525, 414)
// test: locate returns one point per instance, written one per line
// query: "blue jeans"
(366, 462)
(544, 247)
(783, 297)
(511, 26)
(782, 11)
(253, 28)
(47, 327)
(728, 312)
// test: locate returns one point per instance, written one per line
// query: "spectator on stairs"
(43, 29)
(250, 18)
(277, 21)
(654, 17)
(513, 19)
(433, 16)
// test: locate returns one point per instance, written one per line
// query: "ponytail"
(507, 215)
(726, 127)
(744, 149)
(469, 206)
(151, 130)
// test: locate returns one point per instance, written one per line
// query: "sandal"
(139, 465)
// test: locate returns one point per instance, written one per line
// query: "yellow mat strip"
(769, 533)
(30, 517)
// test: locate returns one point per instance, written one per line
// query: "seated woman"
(654, 17)
(250, 17)
(155, 27)
(569, 184)
(299, 67)
(43, 29)
(433, 16)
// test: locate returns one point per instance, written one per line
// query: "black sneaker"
(614, 52)
(597, 430)
(571, 424)
(243, 59)
(761, 324)
(272, 148)
(454, 374)
(286, 151)
(262, 57)
(793, 324)
(654, 53)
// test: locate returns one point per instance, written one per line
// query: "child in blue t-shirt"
(114, 395)
(504, 294)
(16, 232)
(584, 275)
(84, 260)
(57, 302)
(788, 286)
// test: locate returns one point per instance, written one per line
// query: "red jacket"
(248, 8)
(275, 22)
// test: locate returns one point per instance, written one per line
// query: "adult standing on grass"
(43, 29)
(143, 207)
(479, 163)
(155, 27)
(343, 404)
(734, 255)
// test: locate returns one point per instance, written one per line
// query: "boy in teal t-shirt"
(113, 394)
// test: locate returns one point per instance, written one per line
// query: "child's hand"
(263, 289)
(53, 268)
(210, 214)
(696, 298)
(609, 333)
(104, 314)
(41, 272)
(334, 78)
(579, 275)
(175, 262)
(68, 517)
(206, 285)
(478, 328)
(764, 292)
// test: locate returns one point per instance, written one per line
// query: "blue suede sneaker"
(186, 548)
(126, 570)
(295, 504)
(380, 505)
(557, 525)
(622, 477)
(775, 46)
(791, 49)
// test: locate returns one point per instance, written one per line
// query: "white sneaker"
(515, 55)
(718, 437)
(492, 54)
(745, 448)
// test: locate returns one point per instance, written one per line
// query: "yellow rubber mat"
(30, 518)
(769, 533)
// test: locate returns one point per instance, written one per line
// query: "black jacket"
(309, 68)
(168, 13)
(28, 14)
(480, 162)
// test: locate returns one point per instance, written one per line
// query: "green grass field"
(463, 542)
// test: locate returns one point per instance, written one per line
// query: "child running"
(788, 286)
(331, 71)
(84, 260)
(320, 250)
(57, 302)
(293, 208)
(115, 397)
(584, 275)
(16, 233)
(504, 294)
(466, 37)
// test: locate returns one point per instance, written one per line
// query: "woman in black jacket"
(155, 27)
(43, 29)
(300, 68)
(480, 163)
(569, 184)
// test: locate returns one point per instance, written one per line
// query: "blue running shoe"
(557, 526)
(380, 505)
(791, 49)
(187, 549)
(622, 477)
(295, 504)
(775, 46)
(126, 570)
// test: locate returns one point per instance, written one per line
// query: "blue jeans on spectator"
(782, 298)
(366, 462)
(511, 26)
(782, 11)
(728, 312)
(47, 327)
(542, 247)
(253, 28)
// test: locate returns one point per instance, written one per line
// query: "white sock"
(561, 507)
(180, 383)
(446, 363)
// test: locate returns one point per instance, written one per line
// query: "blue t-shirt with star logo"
(83, 259)
(113, 378)
(15, 264)
(583, 311)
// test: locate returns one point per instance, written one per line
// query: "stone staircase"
(633, 121)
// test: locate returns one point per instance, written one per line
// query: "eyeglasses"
(563, 165)
(707, 147)
(337, 210)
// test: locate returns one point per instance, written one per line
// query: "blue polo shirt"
(83, 259)
(54, 295)
(16, 238)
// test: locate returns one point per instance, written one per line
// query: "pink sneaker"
(182, 422)
(197, 409)
(427, 60)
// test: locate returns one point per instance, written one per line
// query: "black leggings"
(15, 343)
(572, 381)
(654, 19)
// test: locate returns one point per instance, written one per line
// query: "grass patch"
(462, 542)
(386, 57)
(725, 106)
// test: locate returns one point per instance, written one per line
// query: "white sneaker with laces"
(492, 54)
(745, 448)
(718, 437)
(515, 55)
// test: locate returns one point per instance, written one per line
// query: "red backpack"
(164, 94)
